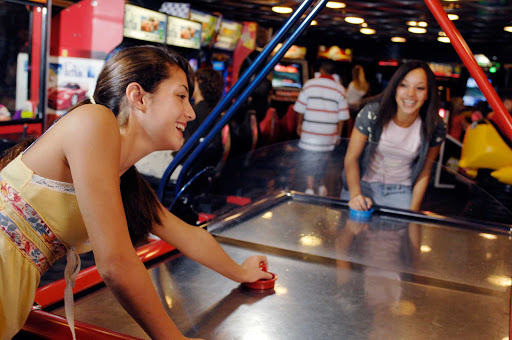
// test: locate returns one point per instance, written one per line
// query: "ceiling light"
(282, 10)
(443, 39)
(412, 23)
(364, 24)
(367, 31)
(314, 23)
(453, 17)
(417, 30)
(354, 20)
(441, 34)
(335, 4)
(508, 28)
(398, 39)
(422, 24)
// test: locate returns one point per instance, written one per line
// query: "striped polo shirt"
(322, 101)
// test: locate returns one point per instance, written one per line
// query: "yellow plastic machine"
(484, 148)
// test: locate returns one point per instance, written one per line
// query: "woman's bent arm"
(199, 245)
(355, 148)
(93, 154)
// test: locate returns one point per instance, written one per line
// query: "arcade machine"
(288, 78)
(209, 26)
(222, 53)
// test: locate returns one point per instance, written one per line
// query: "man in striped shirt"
(322, 109)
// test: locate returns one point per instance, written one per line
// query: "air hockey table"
(399, 275)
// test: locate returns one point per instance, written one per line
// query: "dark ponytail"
(140, 203)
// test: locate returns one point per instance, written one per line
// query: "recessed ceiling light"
(453, 17)
(412, 23)
(364, 24)
(335, 4)
(441, 34)
(282, 10)
(422, 24)
(445, 40)
(508, 28)
(417, 30)
(314, 23)
(367, 31)
(398, 39)
(354, 20)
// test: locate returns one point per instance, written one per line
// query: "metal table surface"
(393, 277)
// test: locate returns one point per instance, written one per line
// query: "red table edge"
(87, 278)
(53, 326)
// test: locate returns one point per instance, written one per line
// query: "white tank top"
(393, 157)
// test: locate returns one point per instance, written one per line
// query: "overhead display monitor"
(229, 33)
(209, 25)
(144, 24)
(183, 33)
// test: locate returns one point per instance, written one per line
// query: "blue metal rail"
(294, 18)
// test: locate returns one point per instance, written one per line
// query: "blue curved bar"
(230, 96)
(266, 69)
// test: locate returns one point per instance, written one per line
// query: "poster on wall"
(228, 36)
(70, 80)
(144, 24)
(209, 25)
(183, 33)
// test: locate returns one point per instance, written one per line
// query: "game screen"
(287, 75)
(144, 24)
(473, 95)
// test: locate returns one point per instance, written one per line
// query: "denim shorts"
(386, 195)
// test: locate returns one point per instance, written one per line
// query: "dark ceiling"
(480, 21)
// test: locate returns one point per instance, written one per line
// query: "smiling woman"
(76, 188)
(395, 142)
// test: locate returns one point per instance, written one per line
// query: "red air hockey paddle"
(263, 283)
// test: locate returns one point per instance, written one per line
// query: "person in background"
(356, 89)
(321, 110)
(244, 125)
(506, 98)
(395, 142)
(76, 189)
(208, 91)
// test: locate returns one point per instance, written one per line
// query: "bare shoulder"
(90, 129)
(90, 122)
(90, 116)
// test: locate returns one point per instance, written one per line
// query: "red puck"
(262, 284)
